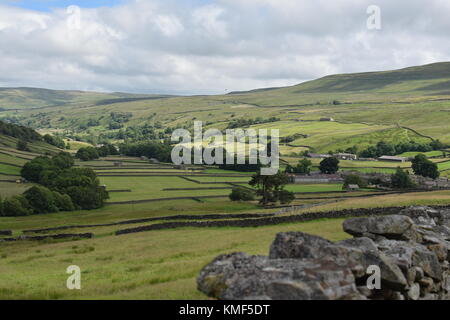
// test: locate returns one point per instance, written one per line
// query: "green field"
(151, 265)
(9, 170)
(144, 188)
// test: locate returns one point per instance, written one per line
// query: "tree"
(22, 145)
(401, 180)
(41, 200)
(63, 202)
(15, 207)
(354, 179)
(285, 196)
(329, 165)
(32, 170)
(270, 188)
(424, 167)
(63, 160)
(55, 141)
(303, 167)
(87, 154)
(241, 194)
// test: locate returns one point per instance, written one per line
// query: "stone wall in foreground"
(411, 251)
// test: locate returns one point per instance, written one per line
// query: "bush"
(241, 194)
(285, 196)
(16, 206)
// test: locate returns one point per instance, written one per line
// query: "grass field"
(156, 265)
(151, 265)
(9, 170)
(8, 189)
(152, 188)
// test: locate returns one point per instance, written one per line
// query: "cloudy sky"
(211, 46)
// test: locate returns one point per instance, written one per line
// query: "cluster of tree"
(107, 150)
(303, 167)
(292, 138)
(389, 149)
(36, 200)
(271, 188)
(118, 119)
(151, 149)
(91, 153)
(424, 167)
(242, 123)
(87, 154)
(19, 132)
(54, 141)
(61, 186)
(137, 133)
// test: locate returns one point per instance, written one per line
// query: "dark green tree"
(41, 200)
(424, 167)
(329, 165)
(241, 194)
(354, 179)
(269, 187)
(401, 180)
(16, 206)
(22, 145)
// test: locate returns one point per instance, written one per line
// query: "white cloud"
(170, 46)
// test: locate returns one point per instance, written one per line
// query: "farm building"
(392, 159)
(327, 119)
(318, 156)
(352, 187)
(346, 156)
(317, 178)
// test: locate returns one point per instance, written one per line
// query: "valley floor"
(160, 264)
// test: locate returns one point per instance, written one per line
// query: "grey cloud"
(172, 47)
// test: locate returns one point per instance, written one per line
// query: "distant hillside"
(438, 74)
(432, 77)
(26, 98)
(394, 106)
(11, 134)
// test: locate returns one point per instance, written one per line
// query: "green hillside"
(26, 98)
(411, 104)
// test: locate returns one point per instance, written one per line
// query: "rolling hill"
(399, 105)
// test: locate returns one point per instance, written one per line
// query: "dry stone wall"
(410, 250)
